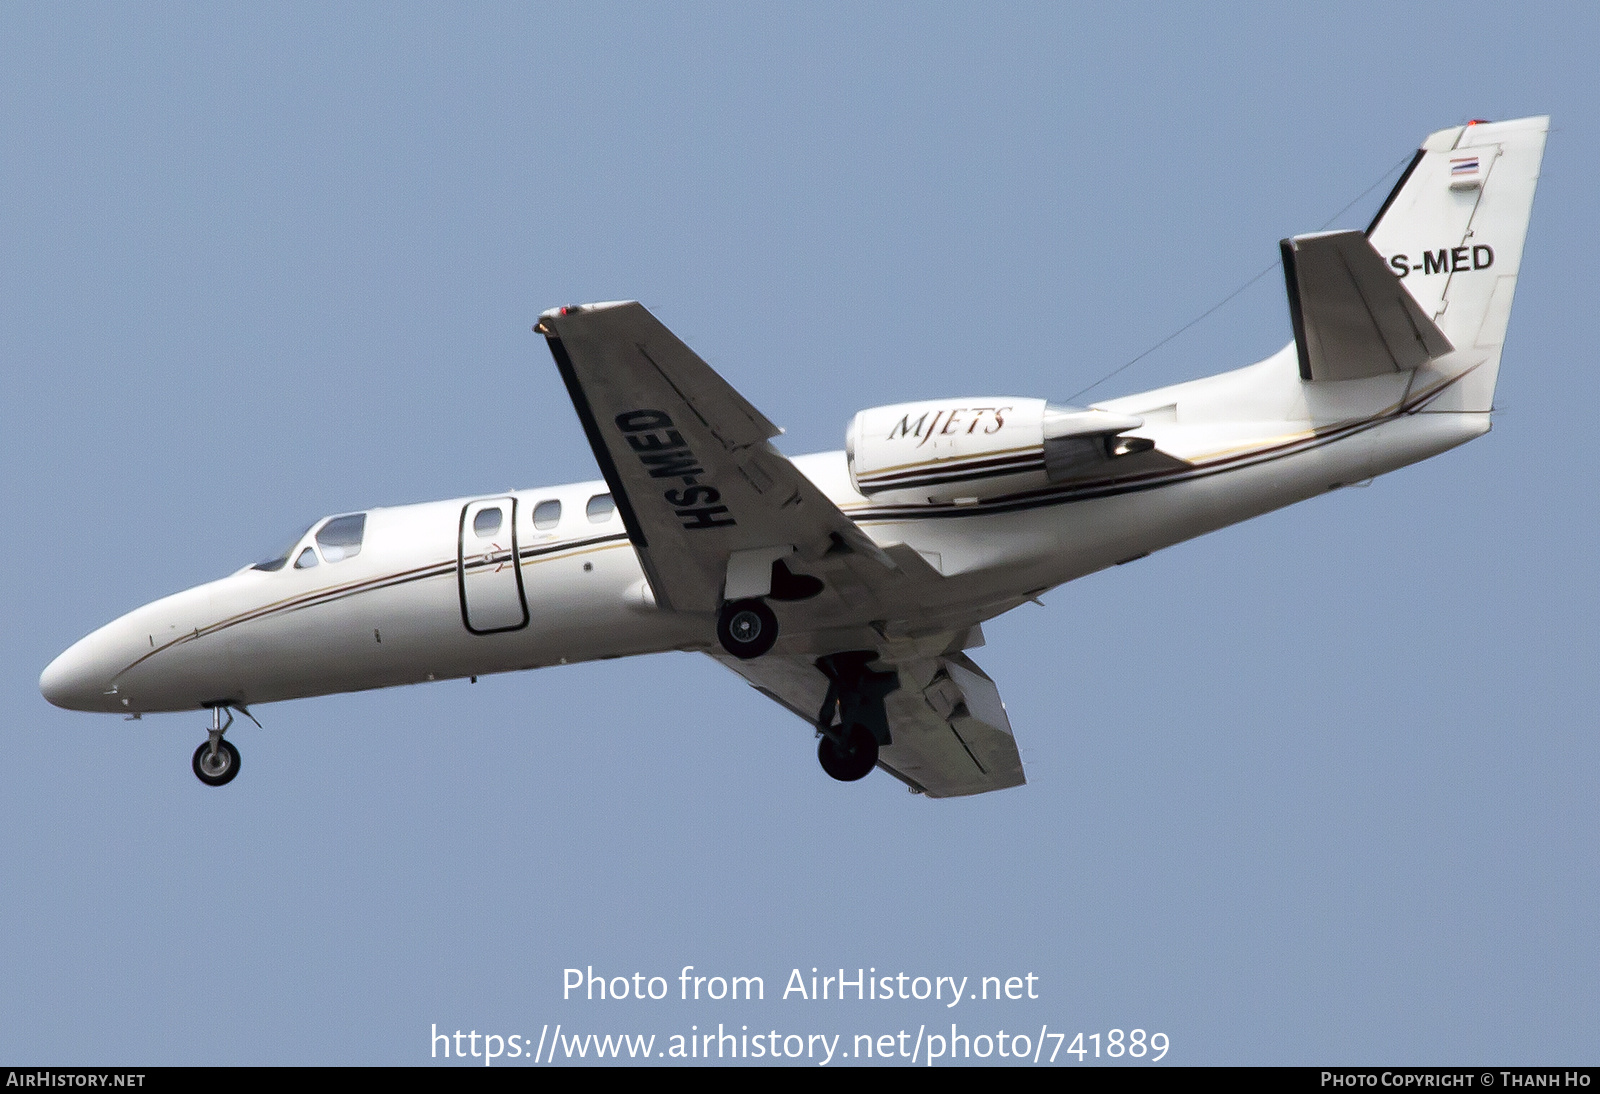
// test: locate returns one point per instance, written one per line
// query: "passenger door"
(488, 569)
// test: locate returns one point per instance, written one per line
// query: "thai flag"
(1465, 166)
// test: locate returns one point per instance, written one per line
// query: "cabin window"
(600, 508)
(307, 559)
(340, 538)
(487, 522)
(546, 515)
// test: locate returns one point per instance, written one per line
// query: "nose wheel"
(216, 761)
(216, 766)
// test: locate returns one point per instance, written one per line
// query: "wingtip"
(576, 309)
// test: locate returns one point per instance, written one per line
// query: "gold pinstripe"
(328, 594)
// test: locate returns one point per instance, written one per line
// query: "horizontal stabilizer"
(1352, 316)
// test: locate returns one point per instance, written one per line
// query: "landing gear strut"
(216, 761)
(849, 746)
(747, 628)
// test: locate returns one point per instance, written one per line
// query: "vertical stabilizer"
(1453, 230)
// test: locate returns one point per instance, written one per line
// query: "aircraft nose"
(79, 678)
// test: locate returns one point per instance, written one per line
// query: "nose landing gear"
(216, 761)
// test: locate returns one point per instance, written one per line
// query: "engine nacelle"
(953, 451)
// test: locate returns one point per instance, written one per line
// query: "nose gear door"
(487, 567)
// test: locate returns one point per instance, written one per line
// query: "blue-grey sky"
(1318, 788)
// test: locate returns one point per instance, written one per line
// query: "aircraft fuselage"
(428, 599)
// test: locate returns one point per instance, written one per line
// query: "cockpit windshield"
(281, 559)
(339, 538)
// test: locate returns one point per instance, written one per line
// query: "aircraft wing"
(951, 736)
(709, 504)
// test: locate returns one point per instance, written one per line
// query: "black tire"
(855, 761)
(223, 770)
(747, 628)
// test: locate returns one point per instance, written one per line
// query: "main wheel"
(747, 628)
(219, 769)
(852, 762)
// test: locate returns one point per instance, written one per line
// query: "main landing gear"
(747, 628)
(848, 756)
(216, 761)
(853, 722)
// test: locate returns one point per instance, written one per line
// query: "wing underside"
(712, 509)
(951, 735)
(709, 504)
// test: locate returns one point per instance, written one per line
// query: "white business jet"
(848, 586)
